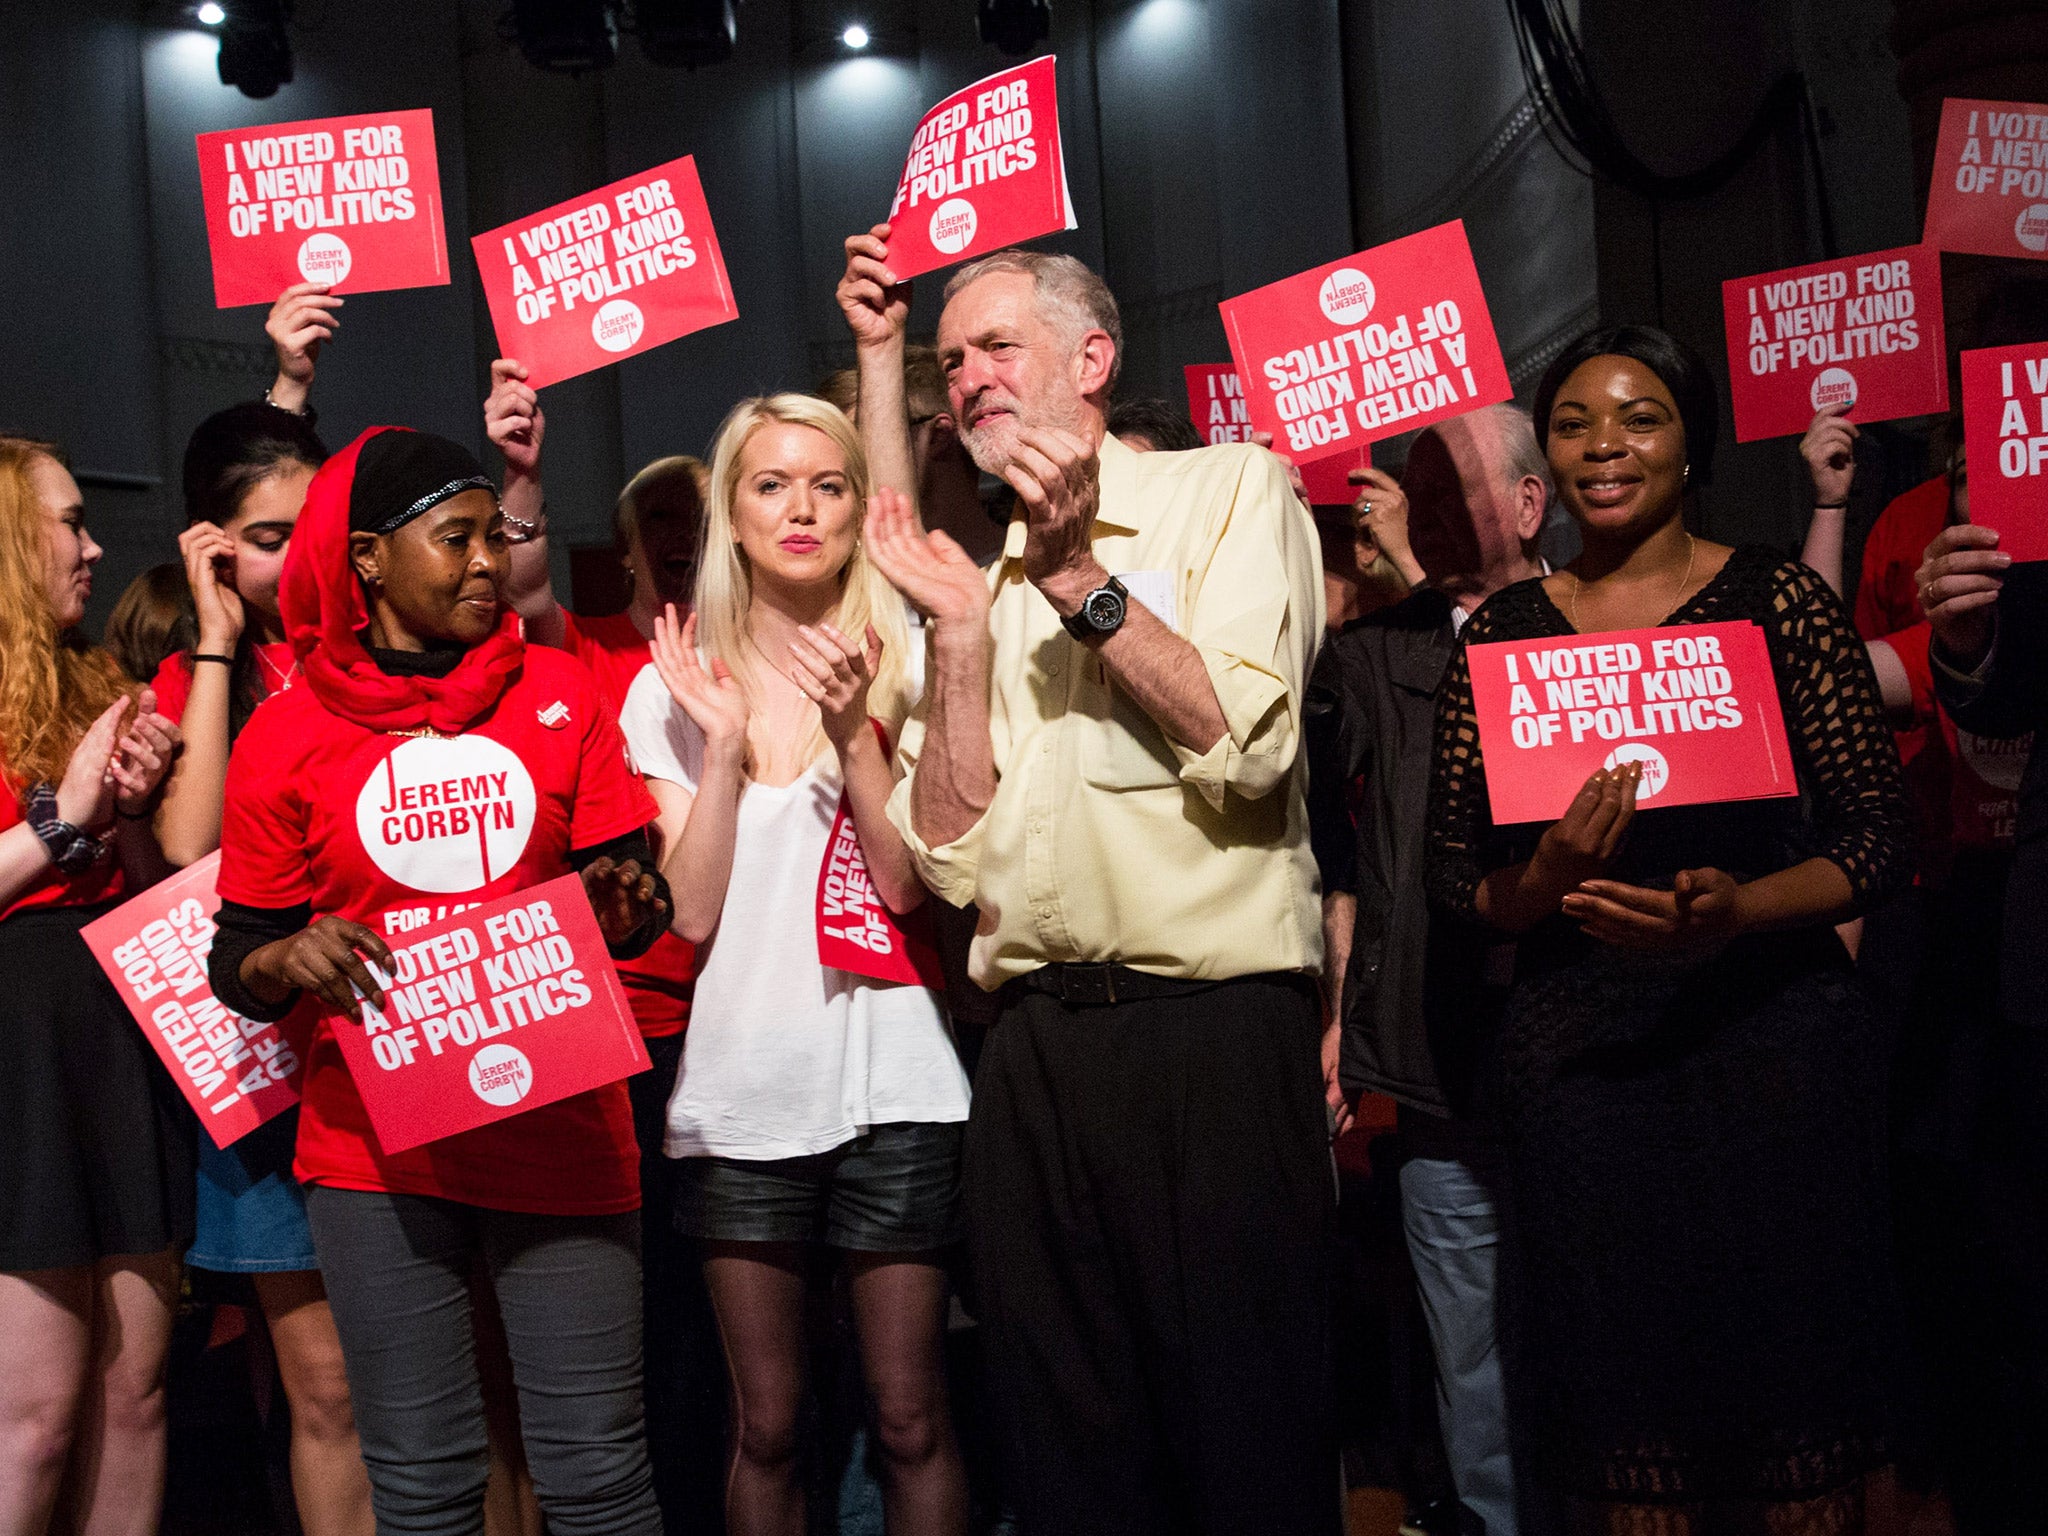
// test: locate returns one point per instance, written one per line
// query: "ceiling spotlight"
(855, 36)
(1014, 26)
(685, 34)
(567, 36)
(255, 54)
(210, 15)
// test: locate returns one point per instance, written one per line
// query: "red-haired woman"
(95, 1147)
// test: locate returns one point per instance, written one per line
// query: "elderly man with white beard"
(1108, 764)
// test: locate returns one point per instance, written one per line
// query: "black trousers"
(1150, 1209)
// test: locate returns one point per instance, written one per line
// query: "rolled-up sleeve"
(951, 870)
(1255, 613)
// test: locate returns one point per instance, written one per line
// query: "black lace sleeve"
(1861, 814)
(1460, 819)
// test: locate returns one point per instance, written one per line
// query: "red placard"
(1863, 331)
(1695, 704)
(234, 1072)
(1383, 342)
(354, 202)
(2005, 434)
(1989, 194)
(500, 1009)
(1216, 405)
(986, 170)
(607, 275)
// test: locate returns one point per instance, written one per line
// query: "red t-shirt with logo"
(275, 664)
(659, 983)
(394, 831)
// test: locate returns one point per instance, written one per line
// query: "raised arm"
(304, 318)
(877, 310)
(1829, 449)
(513, 420)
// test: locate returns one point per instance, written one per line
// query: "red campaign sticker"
(500, 1009)
(1695, 704)
(1216, 405)
(1382, 342)
(986, 170)
(234, 1072)
(354, 202)
(607, 275)
(2005, 435)
(1863, 331)
(1989, 194)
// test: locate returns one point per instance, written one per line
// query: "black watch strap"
(1101, 613)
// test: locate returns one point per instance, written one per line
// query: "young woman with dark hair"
(412, 668)
(1692, 1082)
(246, 472)
(95, 1144)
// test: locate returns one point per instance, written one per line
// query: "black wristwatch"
(1101, 613)
(72, 850)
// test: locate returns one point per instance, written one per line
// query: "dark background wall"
(1212, 145)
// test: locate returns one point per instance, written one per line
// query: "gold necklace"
(1691, 548)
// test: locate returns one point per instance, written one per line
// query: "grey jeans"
(397, 1270)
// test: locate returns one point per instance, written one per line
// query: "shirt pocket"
(1120, 748)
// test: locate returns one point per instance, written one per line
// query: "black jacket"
(2011, 701)
(1417, 1014)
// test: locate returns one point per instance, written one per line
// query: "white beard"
(994, 447)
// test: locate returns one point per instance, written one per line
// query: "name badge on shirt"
(1155, 590)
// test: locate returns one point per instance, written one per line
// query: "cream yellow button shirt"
(1106, 841)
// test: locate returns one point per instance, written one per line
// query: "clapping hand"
(836, 675)
(714, 700)
(938, 577)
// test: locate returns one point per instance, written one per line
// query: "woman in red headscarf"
(414, 671)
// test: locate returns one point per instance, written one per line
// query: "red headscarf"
(321, 601)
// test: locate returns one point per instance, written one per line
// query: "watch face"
(1104, 610)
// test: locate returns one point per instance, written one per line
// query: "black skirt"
(96, 1145)
(1698, 1277)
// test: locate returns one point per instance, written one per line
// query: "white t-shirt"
(785, 1057)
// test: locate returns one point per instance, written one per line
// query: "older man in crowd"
(1409, 1003)
(1108, 764)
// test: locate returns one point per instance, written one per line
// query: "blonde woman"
(95, 1145)
(816, 1102)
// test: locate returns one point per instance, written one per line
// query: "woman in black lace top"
(1691, 1081)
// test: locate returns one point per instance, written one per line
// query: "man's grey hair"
(1521, 455)
(1070, 297)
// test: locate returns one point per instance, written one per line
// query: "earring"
(1686, 477)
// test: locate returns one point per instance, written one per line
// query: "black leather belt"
(1098, 986)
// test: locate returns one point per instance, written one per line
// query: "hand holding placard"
(497, 1010)
(1385, 341)
(1862, 333)
(1694, 707)
(236, 1073)
(986, 169)
(2005, 434)
(350, 202)
(607, 275)
(1989, 193)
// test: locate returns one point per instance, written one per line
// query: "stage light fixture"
(255, 54)
(210, 15)
(855, 37)
(1014, 26)
(685, 34)
(566, 36)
